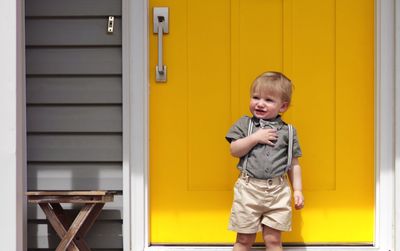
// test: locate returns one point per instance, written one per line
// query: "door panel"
(213, 52)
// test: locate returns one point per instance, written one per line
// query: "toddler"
(268, 149)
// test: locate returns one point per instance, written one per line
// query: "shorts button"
(270, 182)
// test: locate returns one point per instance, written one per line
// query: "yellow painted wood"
(213, 52)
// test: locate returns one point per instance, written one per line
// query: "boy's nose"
(260, 104)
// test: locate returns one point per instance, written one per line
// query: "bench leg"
(95, 212)
(67, 222)
(75, 227)
(57, 223)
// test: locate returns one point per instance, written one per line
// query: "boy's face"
(266, 105)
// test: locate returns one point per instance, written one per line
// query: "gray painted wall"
(74, 110)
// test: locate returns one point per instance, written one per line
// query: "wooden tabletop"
(71, 196)
(71, 192)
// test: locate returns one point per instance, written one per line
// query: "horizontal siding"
(64, 61)
(76, 32)
(70, 90)
(74, 148)
(104, 234)
(72, 8)
(74, 111)
(74, 176)
(74, 118)
(92, 249)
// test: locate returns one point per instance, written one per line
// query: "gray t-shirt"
(265, 161)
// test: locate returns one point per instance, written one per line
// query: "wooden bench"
(71, 231)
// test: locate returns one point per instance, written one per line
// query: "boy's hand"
(266, 136)
(298, 200)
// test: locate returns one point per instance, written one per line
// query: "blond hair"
(275, 82)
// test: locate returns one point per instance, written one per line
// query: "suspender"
(249, 131)
(290, 146)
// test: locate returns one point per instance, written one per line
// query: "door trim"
(136, 124)
(384, 123)
(397, 123)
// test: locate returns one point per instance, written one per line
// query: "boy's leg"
(272, 239)
(244, 242)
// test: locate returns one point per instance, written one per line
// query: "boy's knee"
(273, 244)
(272, 238)
(246, 239)
(272, 241)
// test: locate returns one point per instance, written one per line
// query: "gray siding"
(73, 90)
(74, 110)
(73, 8)
(90, 32)
(73, 61)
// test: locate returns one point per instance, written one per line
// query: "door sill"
(314, 247)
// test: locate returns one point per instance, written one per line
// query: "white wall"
(11, 126)
(397, 124)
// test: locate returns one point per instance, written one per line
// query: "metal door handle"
(160, 26)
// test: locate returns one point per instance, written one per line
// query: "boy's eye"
(255, 97)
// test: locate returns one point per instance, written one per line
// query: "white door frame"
(136, 136)
(12, 128)
(397, 123)
(135, 123)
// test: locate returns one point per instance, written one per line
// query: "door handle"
(160, 27)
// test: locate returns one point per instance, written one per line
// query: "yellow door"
(213, 51)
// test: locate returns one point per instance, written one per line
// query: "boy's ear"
(284, 107)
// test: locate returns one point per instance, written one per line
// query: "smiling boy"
(262, 194)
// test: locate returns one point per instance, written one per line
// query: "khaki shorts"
(260, 202)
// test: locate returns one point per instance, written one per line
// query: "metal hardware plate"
(161, 75)
(160, 14)
(110, 24)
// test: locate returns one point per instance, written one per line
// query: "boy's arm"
(295, 180)
(242, 146)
